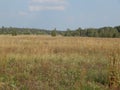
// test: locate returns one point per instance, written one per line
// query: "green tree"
(68, 33)
(78, 31)
(53, 32)
(91, 32)
(2, 30)
(118, 28)
(83, 33)
(14, 33)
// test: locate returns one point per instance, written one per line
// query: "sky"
(59, 14)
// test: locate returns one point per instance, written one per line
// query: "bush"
(53, 33)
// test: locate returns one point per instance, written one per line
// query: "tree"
(79, 31)
(91, 32)
(2, 29)
(14, 32)
(83, 33)
(118, 28)
(53, 32)
(68, 32)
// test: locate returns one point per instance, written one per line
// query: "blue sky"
(60, 14)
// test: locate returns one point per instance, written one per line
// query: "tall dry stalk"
(114, 79)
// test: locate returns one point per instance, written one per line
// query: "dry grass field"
(59, 63)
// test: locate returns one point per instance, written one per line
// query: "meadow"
(34, 62)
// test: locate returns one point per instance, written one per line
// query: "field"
(59, 63)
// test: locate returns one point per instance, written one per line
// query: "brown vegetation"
(59, 63)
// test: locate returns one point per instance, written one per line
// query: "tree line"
(95, 32)
(111, 32)
(22, 31)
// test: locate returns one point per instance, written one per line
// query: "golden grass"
(48, 63)
(36, 45)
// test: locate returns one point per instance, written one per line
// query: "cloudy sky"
(60, 14)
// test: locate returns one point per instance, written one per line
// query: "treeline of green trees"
(93, 32)
(22, 31)
(89, 32)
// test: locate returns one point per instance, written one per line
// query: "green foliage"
(22, 31)
(14, 33)
(118, 28)
(52, 73)
(53, 33)
(92, 32)
(111, 32)
(67, 33)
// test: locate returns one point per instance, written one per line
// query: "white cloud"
(49, 1)
(40, 8)
(39, 5)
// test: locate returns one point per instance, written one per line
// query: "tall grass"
(58, 63)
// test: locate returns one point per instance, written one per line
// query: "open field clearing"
(59, 63)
